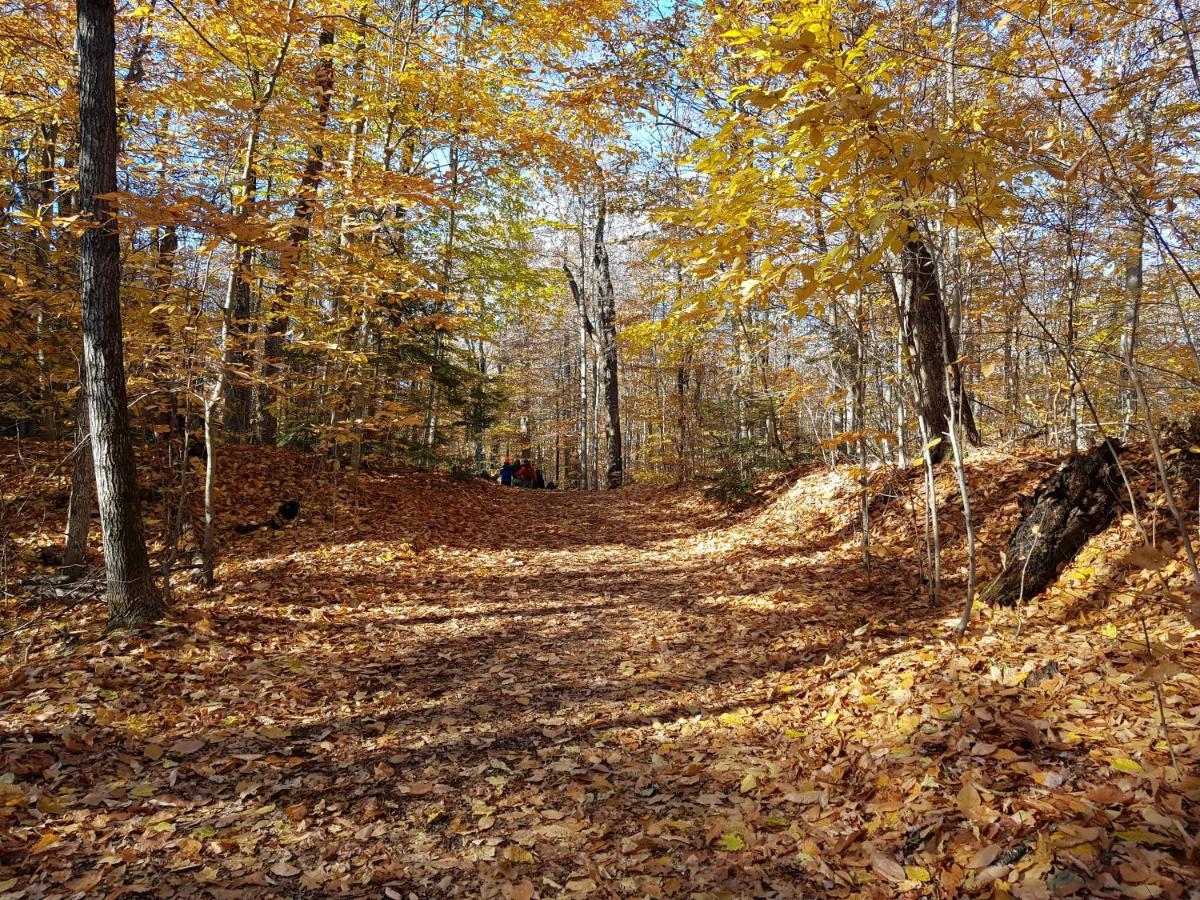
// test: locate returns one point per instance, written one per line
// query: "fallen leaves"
(1128, 766)
(732, 842)
(968, 801)
(571, 695)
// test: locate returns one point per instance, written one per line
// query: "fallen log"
(1076, 502)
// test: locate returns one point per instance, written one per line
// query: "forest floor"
(444, 688)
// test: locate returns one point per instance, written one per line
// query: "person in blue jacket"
(506, 472)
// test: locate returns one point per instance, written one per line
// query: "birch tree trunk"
(1133, 295)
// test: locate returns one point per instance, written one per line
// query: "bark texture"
(585, 332)
(1076, 502)
(298, 234)
(606, 312)
(132, 596)
(83, 494)
(932, 347)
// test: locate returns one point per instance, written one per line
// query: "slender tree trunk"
(607, 313)
(683, 454)
(133, 598)
(208, 551)
(860, 426)
(239, 396)
(1074, 282)
(1133, 296)
(585, 331)
(238, 309)
(42, 259)
(298, 234)
(1012, 370)
(897, 397)
(83, 492)
(1133, 262)
(166, 248)
(446, 287)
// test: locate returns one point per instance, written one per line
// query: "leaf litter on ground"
(439, 687)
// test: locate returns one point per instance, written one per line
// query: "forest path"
(443, 687)
(447, 688)
(536, 667)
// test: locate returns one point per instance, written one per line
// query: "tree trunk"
(289, 261)
(238, 309)
(1133, 283)
(683, 454)
(930, 342)
(606, 312)
(132, 597)
(1134, 280)
(83, 492)
(239, 396)
(585, 330)
(45, 187)
(1070, 506)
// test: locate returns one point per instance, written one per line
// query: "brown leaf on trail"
(186, 747)
(417, 788)
(969, 801)
(285, 869)
(86, 881)
(296, 812)
(45, 842)
(984, 856)
(888, 868)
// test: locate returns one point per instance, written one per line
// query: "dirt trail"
(453, 689)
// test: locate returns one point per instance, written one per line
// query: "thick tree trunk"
(298, 234)
(1070, 506)
(132, 596)
(607, 313)
(930, 343)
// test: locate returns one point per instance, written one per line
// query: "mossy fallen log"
(1076, 502)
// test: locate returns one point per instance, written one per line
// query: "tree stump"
(1076, 502)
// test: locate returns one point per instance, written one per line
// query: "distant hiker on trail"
(506, 473)
(538, 480)
(524, 475)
